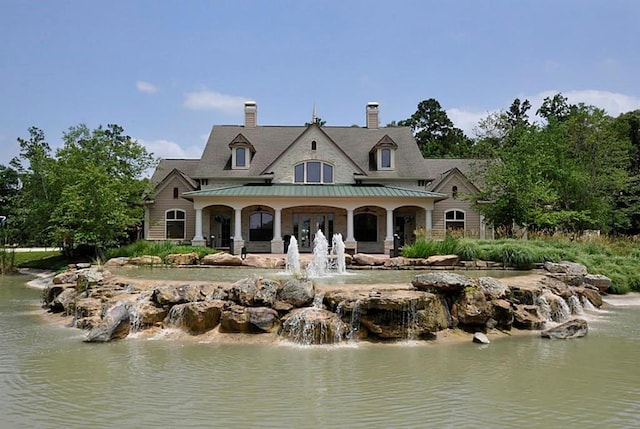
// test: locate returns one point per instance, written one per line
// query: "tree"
(99, 176)
(556, 108)
(517, 115)
(435, 134)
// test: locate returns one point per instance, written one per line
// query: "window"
(454, 192)
(260, 226)
(241, 157)
(314, 145)
(175, 224)
(313, 172)
(176, 193)
(365, 227)
(385, 162)
(454, 219)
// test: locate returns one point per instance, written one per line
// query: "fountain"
(323, 264)
(337, 249)
(293, 257)
(319, 264)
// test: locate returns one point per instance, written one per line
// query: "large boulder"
(502, 313)
(254, 292)
(182, 259)
(558, 286)
(90, 277)
(493, 288)
(526, 317)
(472, 308)
(196, 317)
(239, 319)
(145, 313)
(565, 267)
(313, 325)
(146, 260)
(441, 282)
(63, 301)
(367, 260)
(171, 294)
(602, 283)
(592, 295)
(258, 261)
(69, 276)
(574, 328)
(115, 325)
(297, 292)
(442, 260)
(222, 259)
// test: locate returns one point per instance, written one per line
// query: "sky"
(167, 71)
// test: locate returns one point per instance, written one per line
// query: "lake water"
(49, 378)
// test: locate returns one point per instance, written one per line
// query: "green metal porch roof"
(313, 191)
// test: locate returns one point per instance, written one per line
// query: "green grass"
(617, 259)
(161, 249)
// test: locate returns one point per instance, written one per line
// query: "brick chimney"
(372, 115)
(250, 114)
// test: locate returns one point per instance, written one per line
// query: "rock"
(398, 261)
(171, 295)
(263, 262)
(196, 317)
(526, 317)
(525, 294)
(472, 308)
(83, 265)
(52, 291)
(254, 292)
(146, 260)
(145, 313)
(574, 328)
(502, 313)
(480, 338)
(241, 319)
(565, 267)
(117, 262)
(264, 319)
(298, 293)
(63, 300)
(367, 260)
(313, 325)
(115, 325)
(602, 283)
(593, 296)
(87, 308)
(558, 286)
(441, 282)
(65, 277)
(493, 288)
(442, 260)
(182, 259)
(222, 259)
(90, 277)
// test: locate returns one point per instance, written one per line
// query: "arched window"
(365, 227)
(454, 220)
(385, 161)
(314, 145)
(260, 226)
(454, 192)
(176, 193)
(313, 172)
(175, 221)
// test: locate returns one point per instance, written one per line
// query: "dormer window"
(384, 152)
(313, 172)
(241, 151)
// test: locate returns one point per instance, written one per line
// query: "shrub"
(468, 250)
(422, 248)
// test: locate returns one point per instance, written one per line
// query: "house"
(256, 186)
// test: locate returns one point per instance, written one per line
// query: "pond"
(50, 378)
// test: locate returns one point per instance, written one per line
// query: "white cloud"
(168, 149)
(212, 100)
(146, 87)
(466, 120)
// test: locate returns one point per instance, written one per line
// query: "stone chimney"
(372, 115)
(250, 114)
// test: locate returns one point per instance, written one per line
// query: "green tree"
(99, 176)
(555, 108)
(435, 133)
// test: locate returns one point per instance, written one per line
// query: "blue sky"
(167, 71)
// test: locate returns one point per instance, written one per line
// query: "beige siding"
(462, 202)
(164, 201)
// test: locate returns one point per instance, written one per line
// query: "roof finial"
(314, 118)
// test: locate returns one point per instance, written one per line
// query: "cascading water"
(318, 265)
(575, 305)
(544, 309)
(293, 257)
(552, 308)
(587, 305)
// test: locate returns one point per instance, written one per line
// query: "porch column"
(238, 242)
(388, 241)
(428, 226)
(350, 244)
(482, 228)
(277, 244)
(198, 239)
(237, 230)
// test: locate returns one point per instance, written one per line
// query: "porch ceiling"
(319, 191)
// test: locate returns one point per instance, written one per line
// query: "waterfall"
(354, 323)
(575, 305)
(560, 309)
(318, 299)
(409, 320)
(176, 315)
(587, 305)
(544, 309)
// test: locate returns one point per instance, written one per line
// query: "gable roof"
(438, 169)
(187, 167)
(271, 141)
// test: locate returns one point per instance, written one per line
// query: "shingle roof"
(187, 166)
(438, 168)
(271, 141)
(314, 191)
